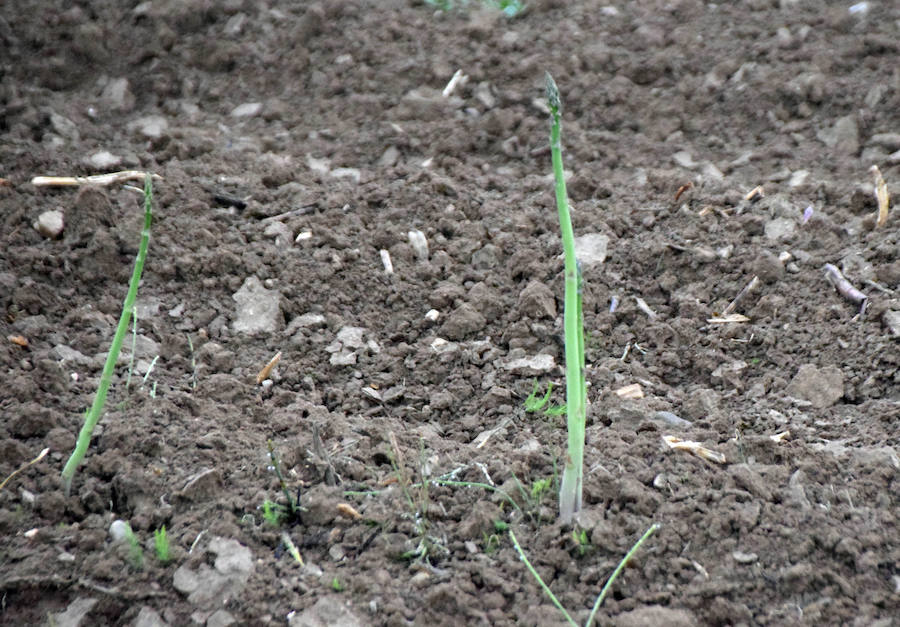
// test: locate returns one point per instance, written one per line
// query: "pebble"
(246, 110)
(148, 617)
(64, 127)
(590, 249)
(74, 614)
(328, 610)
(117, 95)
(50, 224)
(118, 530)
(529, 366)
(104, 160)
(891, 319)
(744, 558)
(780, 229)
(258, 309)
(888, 141)
(149, 126)
(419, 244)
(823, 387)
(843, 137)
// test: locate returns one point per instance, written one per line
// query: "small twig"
(643, 306)
(40, 456)
(845, 288)
(96, 179)
(747, 289)
(267, 369)
(881, 196)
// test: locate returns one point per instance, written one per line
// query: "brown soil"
(353, 144)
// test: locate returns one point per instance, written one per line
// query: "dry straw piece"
(677, 444)
(267, 369)
(96, 179)
(881, 195)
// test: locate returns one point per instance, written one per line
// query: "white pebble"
(50, 224)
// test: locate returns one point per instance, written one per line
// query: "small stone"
(655, 615)
(258, 309)
(327, 611)
(537, 301)
(798, 178)
(104, 160)
(888, 141)
(50, 224)
(389, 157)
(246, 110)
(529, 366)
(684, 159)
(891, 319)
(744, 558)
(822, 387)
(117, 95)
(220, 618)
(75, 613)
(843, 137)
(118, 530)
(590, 249)
(202, 486)
(64, 127)
(419, 244)
(149, 126)
(280, 232)
(148, 617)
(351, 337)
(780, 229)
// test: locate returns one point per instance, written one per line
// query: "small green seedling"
(538, 488)
(582, 544)
(291, 547)
(135, 552)
(573, 322)
(276, 513)
(93, 415)
(336, 584)
(606, 588)
(509, 8)
(161, 545)
(535, 403)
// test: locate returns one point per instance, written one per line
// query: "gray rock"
(208, 587)
(246, 110)
(117, 95)
(118, 530)
(75, 613)
(64, 127)
(351, 337)
(891, 319)
(888, 141)
(258, 309)
(464, 320)
(843, 137)
(590, 249)
(148, 617)
(220, 618)
(328, 611)
(780, 229)
(149, 126)
(50, 224)
(485, 258)
(656, 615)
(822, 387)
(530, 366)
(537, 301)
(104, 160)
(419, 244)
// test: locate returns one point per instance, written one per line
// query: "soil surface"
(299, 144)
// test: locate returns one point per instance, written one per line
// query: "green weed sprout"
(93, 415)
(606, 588)
(135, 552)
(161, 545)
(576, 394)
